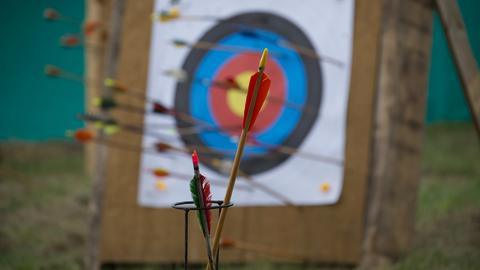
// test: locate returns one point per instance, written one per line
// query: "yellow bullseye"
(236, 98)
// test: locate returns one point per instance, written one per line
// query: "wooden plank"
(94, 63)
(399, 121)
(99, 12)
(463, 56)
(109, 65)
(131, 233)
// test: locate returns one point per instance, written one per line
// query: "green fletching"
(198, 187)
(194, 189)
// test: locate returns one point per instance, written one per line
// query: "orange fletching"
(90, 26)
(262, 95)
(159, 172)
(227, 242)
(83, 135)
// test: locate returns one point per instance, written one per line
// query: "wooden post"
(462, 54)
(100, 151)
(94, 56)
(399, 120)
(94, 61)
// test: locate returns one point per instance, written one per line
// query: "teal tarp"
(35, 107)
(446, 100)
(32, 106)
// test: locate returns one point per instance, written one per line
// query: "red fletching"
(50, 14)
(159, 108)
(70, 40)
(162, 147)
(228, 83)
(52, 71)
(233, 83)
(207, 197)
(262, 95)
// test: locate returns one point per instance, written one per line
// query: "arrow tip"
(263, 59)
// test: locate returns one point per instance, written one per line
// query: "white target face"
(295, 154)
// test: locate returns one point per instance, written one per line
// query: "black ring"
(180, 205)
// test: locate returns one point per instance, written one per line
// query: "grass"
(43, 206)
(44, 198)
(448, 213)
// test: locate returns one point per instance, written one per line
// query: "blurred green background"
(35, 107)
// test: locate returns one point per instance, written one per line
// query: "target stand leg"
(186, 240)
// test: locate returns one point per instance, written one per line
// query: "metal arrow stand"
(188, 206)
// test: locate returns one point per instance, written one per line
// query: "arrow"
(304, 51)
(87, 136)
(162, 147)
(77, 40)
(219, 164)
(257, 92)
(113, 126)
(107, 104)
(205, 45)
(256, 248)
(84, 136)
(111, 123)
(56, 72)
(307, 52)
(161, 173)
(51, 14)
(181, 75)
(89, 27)
(201, 195)
(231, 84)
(174, 14)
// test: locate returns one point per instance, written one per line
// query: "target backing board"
(295, 154)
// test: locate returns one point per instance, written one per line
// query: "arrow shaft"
(228, 194)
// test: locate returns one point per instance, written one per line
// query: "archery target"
(295, 92)
(294, 153)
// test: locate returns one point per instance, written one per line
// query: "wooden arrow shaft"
(229, 192)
